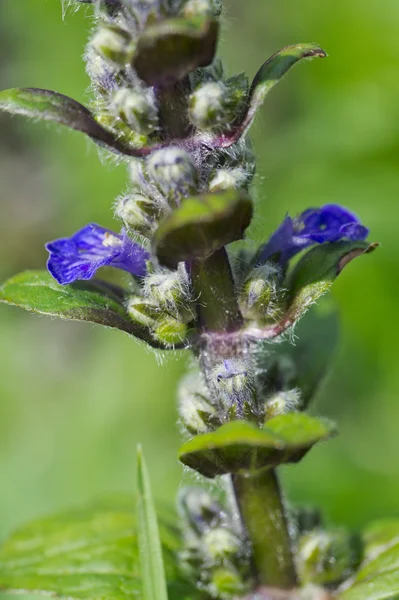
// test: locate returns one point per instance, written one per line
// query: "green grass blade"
(150, 551)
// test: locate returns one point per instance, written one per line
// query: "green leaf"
(94, 301)
(202, 225)
(240, 446)
(86, 554)
(266, 78)
(302, 363)
(378, 576)
(51, 106)
(150, 549)
(170, 49)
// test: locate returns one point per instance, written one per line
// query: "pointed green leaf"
(316, 272)
(202, 225)
(94, 301)
(51, 106)
(150, 550)
(240, 446)
(266, 78)
(170, 49)
(378, 576)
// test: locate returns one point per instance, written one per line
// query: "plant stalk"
(217, 301)
(260, 502)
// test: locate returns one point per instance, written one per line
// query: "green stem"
(173, 106)
(262, 510)
(217, 301)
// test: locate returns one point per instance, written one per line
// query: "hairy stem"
(217, 301)
(262, 510)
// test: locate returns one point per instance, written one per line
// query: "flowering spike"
(81, 255)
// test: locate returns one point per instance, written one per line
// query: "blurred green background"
(74, 399)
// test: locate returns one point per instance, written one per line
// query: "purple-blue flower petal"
(330, 223)
(81, 255)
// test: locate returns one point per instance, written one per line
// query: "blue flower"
(90, 248)
(330, 223)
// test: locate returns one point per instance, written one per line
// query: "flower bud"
(234, 385)
(173, 172)
(193, 8)
(259, 293)
(137, 212)
(224, 179)
(170, 331)
(196, 412)
(216, 104)
(170, 291)
(282, 403)
(136, 108)
(221, 544)
(199, 510)
(113, 44)
(327, 557)
(142, 311)
(226, 584)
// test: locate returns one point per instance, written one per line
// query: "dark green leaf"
(94, 301)
(51, 106)
(170, 49)
(88, 554)
(202, 225)
(150, 548)
(378, 576)
(240, 446)
(301, 363)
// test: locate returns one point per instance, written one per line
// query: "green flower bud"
(142, 311)
(113, 44)
(173, 172)
(199, 510)
(136, 108)
(327, 557)
(170, 331)
(196, 412)
(208, 106)
(233, 383)
(170, 290)
(216, 104)
(226, 584)
(282, 403)
(193, 8)
(258, 297)
(224, 179)
(137, 212)
(221, 544)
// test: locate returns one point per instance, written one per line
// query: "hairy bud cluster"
(194, 8)
(173, 171)
(212, 547)
(197, 413)
(259, 294)
(282, 403)
(233, 383)
(137, 108)
(165, 306)
(215, 104)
